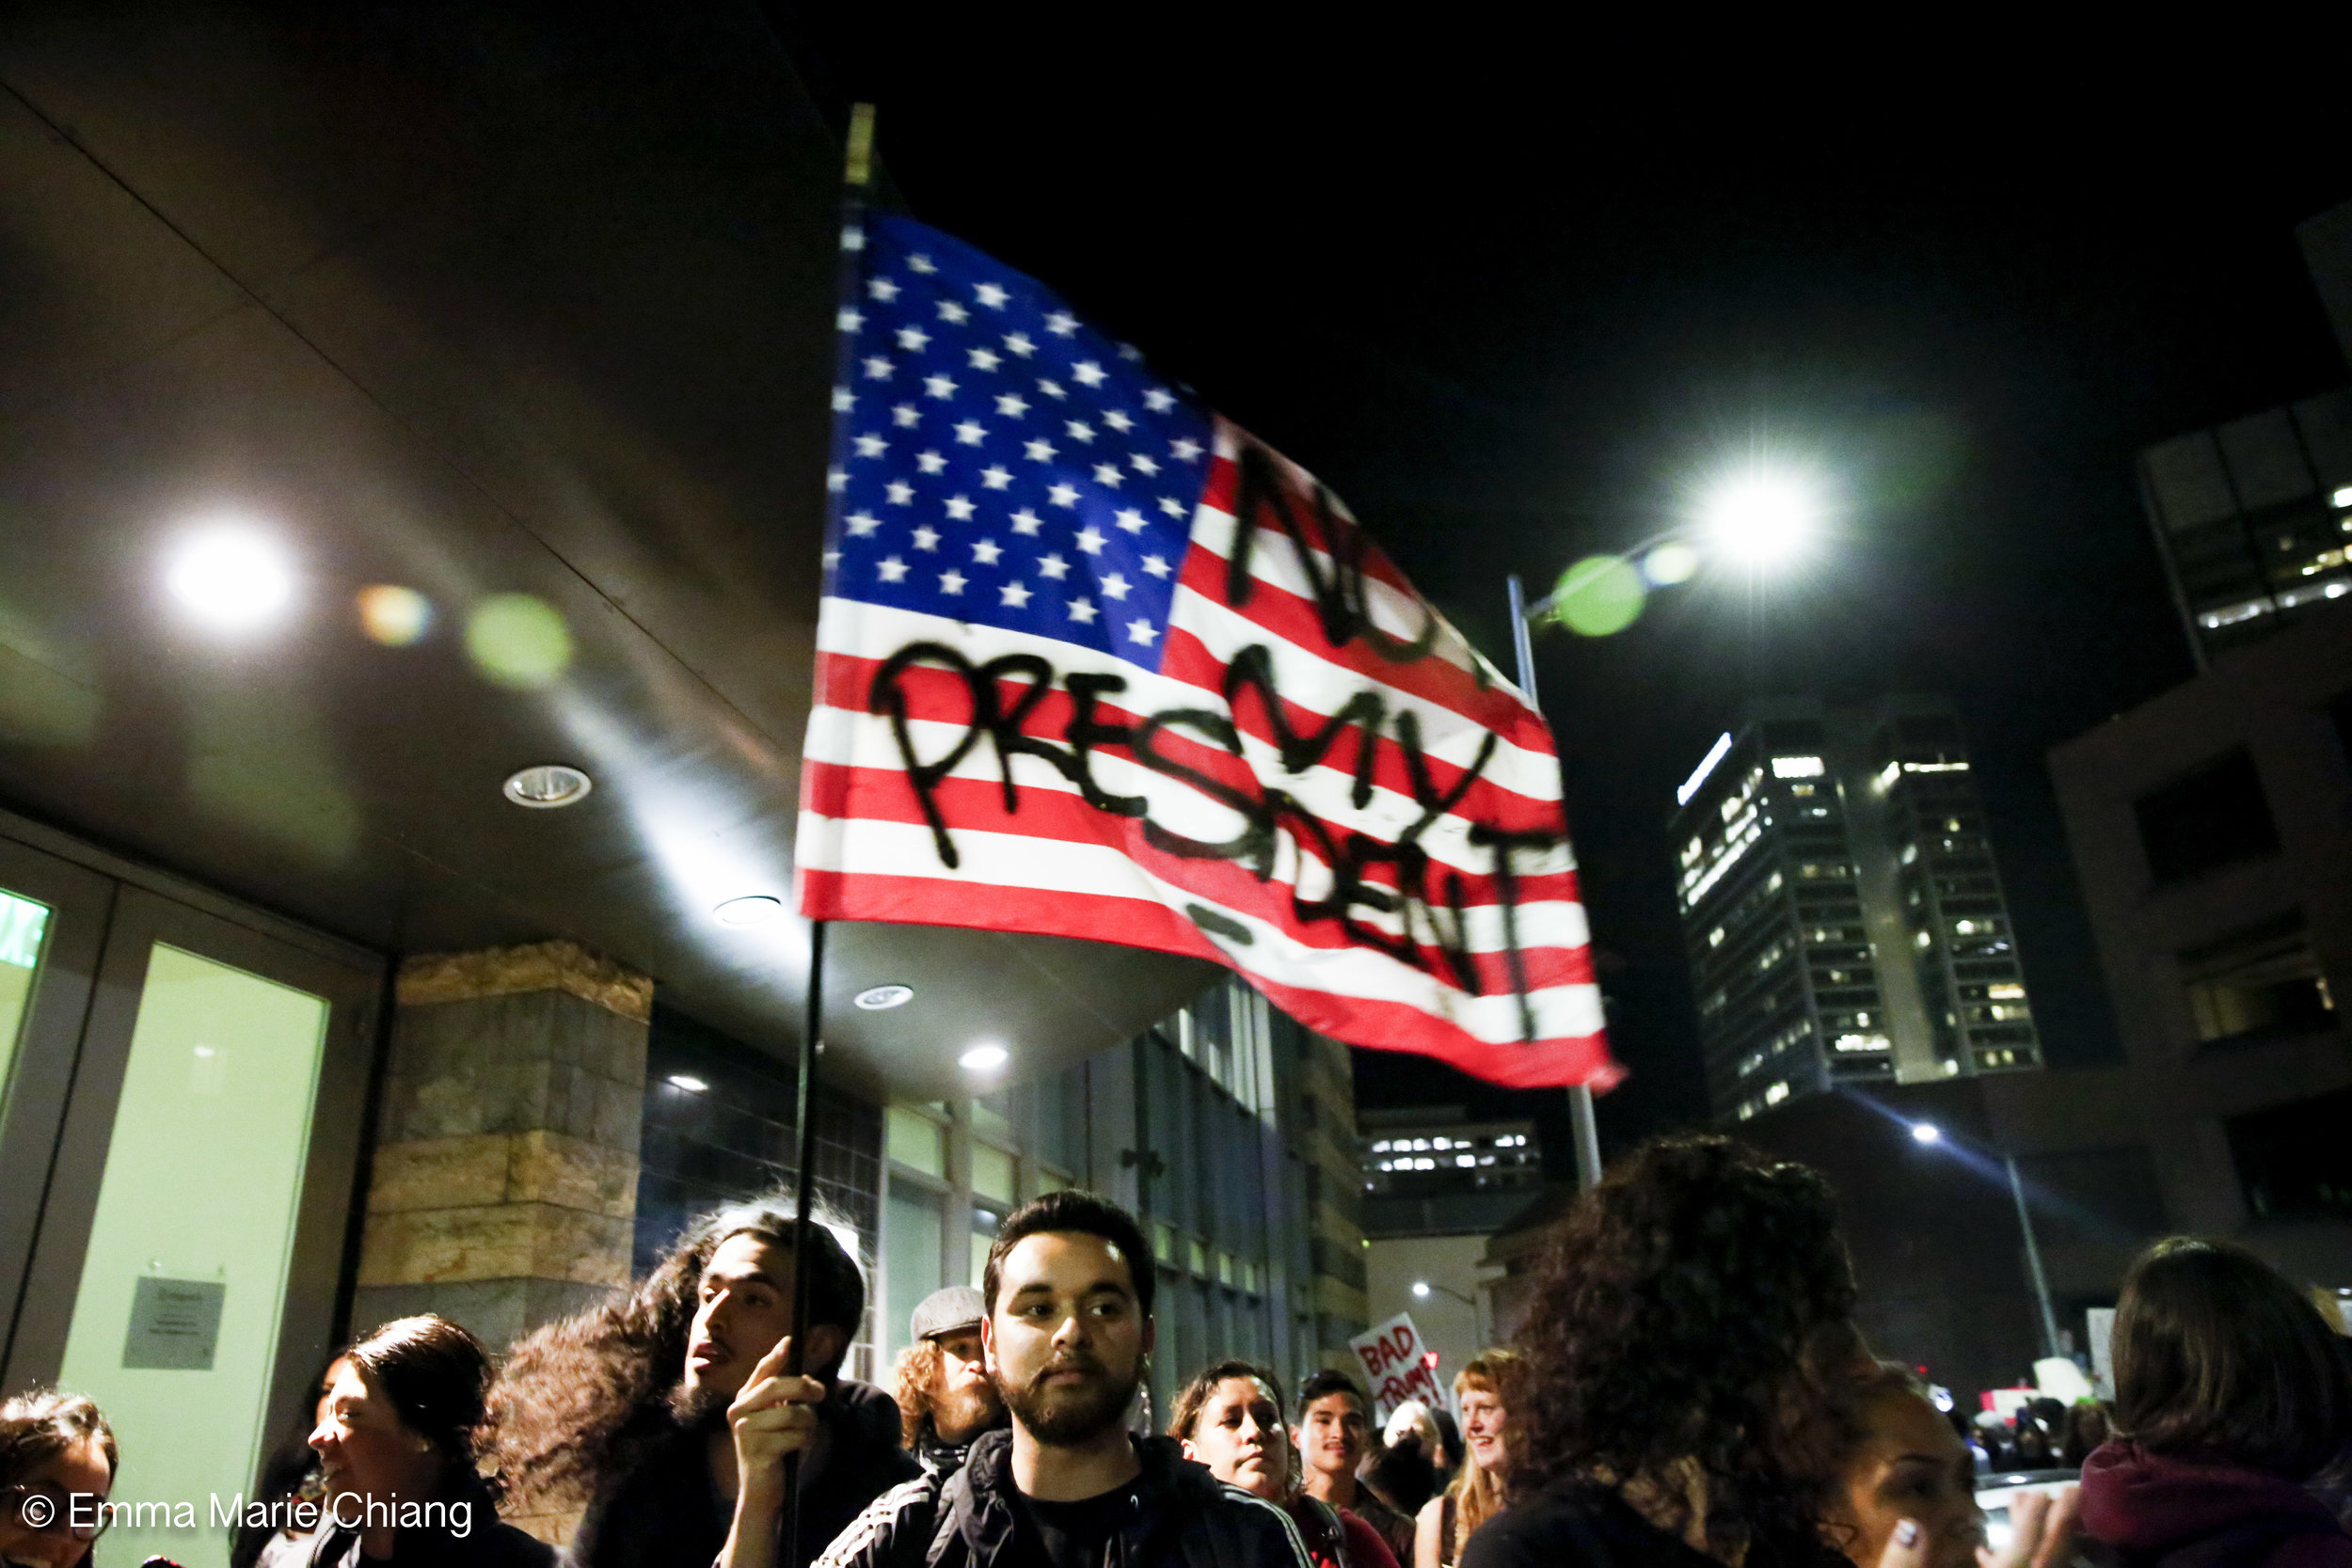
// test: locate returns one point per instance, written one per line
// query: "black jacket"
(1187, 1520)
(488, 1542)
(901, 1518)
(664, 1511)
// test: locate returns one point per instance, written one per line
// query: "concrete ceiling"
(472, 304)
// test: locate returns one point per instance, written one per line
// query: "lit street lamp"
(1927, 1135)
(1421, 1289)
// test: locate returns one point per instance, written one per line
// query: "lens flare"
(1599, 596)
(1669, 564)
(395, 617)
(518, 641)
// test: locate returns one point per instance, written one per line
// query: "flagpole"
(1581, 1123)
(856, 176)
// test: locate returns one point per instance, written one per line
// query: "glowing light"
(547, 786)
(757, 908)
(2342, 496)
(880, 999)
(1796, 768)
(231, 578)
(1715, 753)
(1763, 516)
(1421, 1287)
(1926, 1133)
(1670, 564)
(984, 1058)
(518, 641)
(394, 616)
(687, 1082)
(1599, 595)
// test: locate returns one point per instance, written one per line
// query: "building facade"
(1841, 910)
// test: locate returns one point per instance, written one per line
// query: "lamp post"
(1422, 1290)
(1929, 1134)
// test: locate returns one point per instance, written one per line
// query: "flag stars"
(892, 569)
(939, 385)
(985, 358)
(921, 264)
(1085, 373)
(1025, 521)
(1090, 540)
(926, 537)
(861, 524)
(1082, 611)
(898, 492)
(994, 478)
(1051, 388)
(1064, 494)
(1131, 521)
(959, 509)
(1143, 465)
(1109, 476)
(1115, 586)
(1156, 565)
(991, 294)
(878, 369)
(905, 416)
(1173, 507)
(986, 553)
(1142, 632)
(913, 338)
(1185, 449)
(1012, 406)
(931, 462)
(1130, 354)
(1039, 451)
(1079, 430)
(1119, 421)
(1054, 566)
(871, 446)
(843, 400)
(837, 479)
(952, 313)
(881, 289)
(1018, 342)
(1062, 324)
(952, 581)
(1158, 400)
(1013, 596)
(971, 433)
(850, 318)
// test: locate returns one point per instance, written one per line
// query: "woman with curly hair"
(1692, 1316)
(57, 1464)
(1482, 1393)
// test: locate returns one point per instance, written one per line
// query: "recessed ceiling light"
(984, 1058)
(758, 908)
(687, 1082)
(231, 578)
(547, 786)
(877, 999)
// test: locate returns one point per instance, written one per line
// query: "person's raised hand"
(1906, 1546)
(775, 1414)
(2041, 1531)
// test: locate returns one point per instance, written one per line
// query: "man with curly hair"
(669, 1413)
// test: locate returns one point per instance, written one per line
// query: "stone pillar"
(504, 1184)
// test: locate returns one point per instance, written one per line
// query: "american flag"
(1094, 663)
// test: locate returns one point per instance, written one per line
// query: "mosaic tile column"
(504, 1190)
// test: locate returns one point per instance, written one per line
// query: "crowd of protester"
(1689, 1388)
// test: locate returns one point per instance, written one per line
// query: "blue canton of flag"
(998, 461)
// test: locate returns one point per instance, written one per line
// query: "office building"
(1437, 1183)
(1841, 906)
(2253, 518)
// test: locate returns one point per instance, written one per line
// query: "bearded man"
(669, 1415)
(1068, 1331)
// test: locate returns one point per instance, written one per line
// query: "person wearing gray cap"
(946, 1401)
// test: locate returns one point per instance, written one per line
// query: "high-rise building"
(1843, 915)
(2253, 518)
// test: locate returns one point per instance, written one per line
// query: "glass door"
(190, 1249)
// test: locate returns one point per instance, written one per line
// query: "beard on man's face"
(699, 1407)
(1069, 1413)
(963, 1414)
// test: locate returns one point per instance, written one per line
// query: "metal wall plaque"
(174, 1325)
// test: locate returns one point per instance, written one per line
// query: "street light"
(1421, 1289)
(1926, 1132)
(1763, 513)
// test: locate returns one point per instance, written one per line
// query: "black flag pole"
(856, 175)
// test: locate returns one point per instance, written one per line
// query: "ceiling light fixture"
(984, 1058)
(757, 908)
(880, 999)
(547, 786)
(687, 1082)
(231, 578)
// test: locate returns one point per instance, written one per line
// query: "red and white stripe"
(1057, 867)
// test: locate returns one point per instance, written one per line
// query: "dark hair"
(1196, 1392)
(435, 1373)
(37, 1426)
(1681, 1313)
(1080, 1212)
(2216, 1354)
(1402, 1476)
(1322, 1385)
(581, 1397)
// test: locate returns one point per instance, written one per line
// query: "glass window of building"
(23, 924)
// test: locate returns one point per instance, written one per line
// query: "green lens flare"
(1599, 594)
(518, 641)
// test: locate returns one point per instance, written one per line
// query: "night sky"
(1513, 300)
